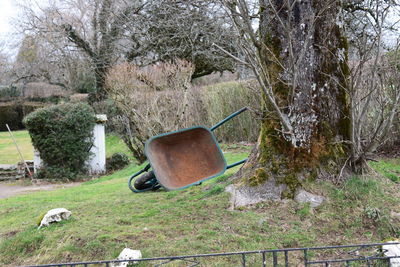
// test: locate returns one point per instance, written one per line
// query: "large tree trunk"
(307, 69)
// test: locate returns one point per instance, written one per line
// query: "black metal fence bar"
(345, 246)
(264, 260)
(305, 257)
(351, 260)
(243, 254)
(286, 259)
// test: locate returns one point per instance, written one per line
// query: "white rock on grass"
(306, 197)
(395, 215)
(392, 251)
(242, 196)
(54, 215)
(127, 254)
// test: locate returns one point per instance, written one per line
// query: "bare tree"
(313, 124)
(104, 32)
(150, 100)
(31, 65)
(4, 67)
(298, 54)
(95, 27)
(186, 30)
(39, 61)
(374, 88)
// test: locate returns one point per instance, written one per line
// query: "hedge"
(63, 135)
(12, 113)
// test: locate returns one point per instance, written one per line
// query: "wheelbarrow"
(182, 158)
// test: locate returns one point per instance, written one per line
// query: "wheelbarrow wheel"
(144, 181)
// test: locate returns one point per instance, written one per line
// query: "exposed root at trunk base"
(248, 195)
(278, 179)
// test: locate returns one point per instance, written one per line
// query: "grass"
(114, 144)
(390, 168)
(107, 217)
(9, 153)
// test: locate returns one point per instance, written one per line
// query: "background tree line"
(94, 35)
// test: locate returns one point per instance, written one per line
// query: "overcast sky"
(8, 11)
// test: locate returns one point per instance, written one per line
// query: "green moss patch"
(260, 177)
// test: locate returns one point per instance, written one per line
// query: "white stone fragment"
(395, 215)
(392, 251)
(127, 254)
(55, 215)
(242, 196)
(303, 196)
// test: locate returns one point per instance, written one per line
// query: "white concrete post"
(97, 162)
(37, 161)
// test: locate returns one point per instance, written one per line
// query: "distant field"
(9, 153)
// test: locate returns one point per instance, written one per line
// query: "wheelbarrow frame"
(154, 184)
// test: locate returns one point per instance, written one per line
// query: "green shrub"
(63, 136)
(117, 161)
(149, 101)
(7, 93)
(222, 99)
(12, 113)
(159, 99)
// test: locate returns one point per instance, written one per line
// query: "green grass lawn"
(9, 153)
(390, 168)
(114, 144)
(107, 217)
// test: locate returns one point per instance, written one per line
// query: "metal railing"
(349, 255)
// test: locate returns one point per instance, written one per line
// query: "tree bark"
(305, 55)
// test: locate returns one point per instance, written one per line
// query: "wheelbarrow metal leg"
(154, 186)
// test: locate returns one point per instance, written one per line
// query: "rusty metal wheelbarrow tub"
(182, 158)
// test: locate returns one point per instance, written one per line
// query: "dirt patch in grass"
(10, 234)
(8, 189)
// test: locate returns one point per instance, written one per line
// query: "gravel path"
(13, 189)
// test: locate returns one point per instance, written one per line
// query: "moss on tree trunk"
(307, 69)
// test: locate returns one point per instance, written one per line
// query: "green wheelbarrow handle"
(222, 122)
(154, 184)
